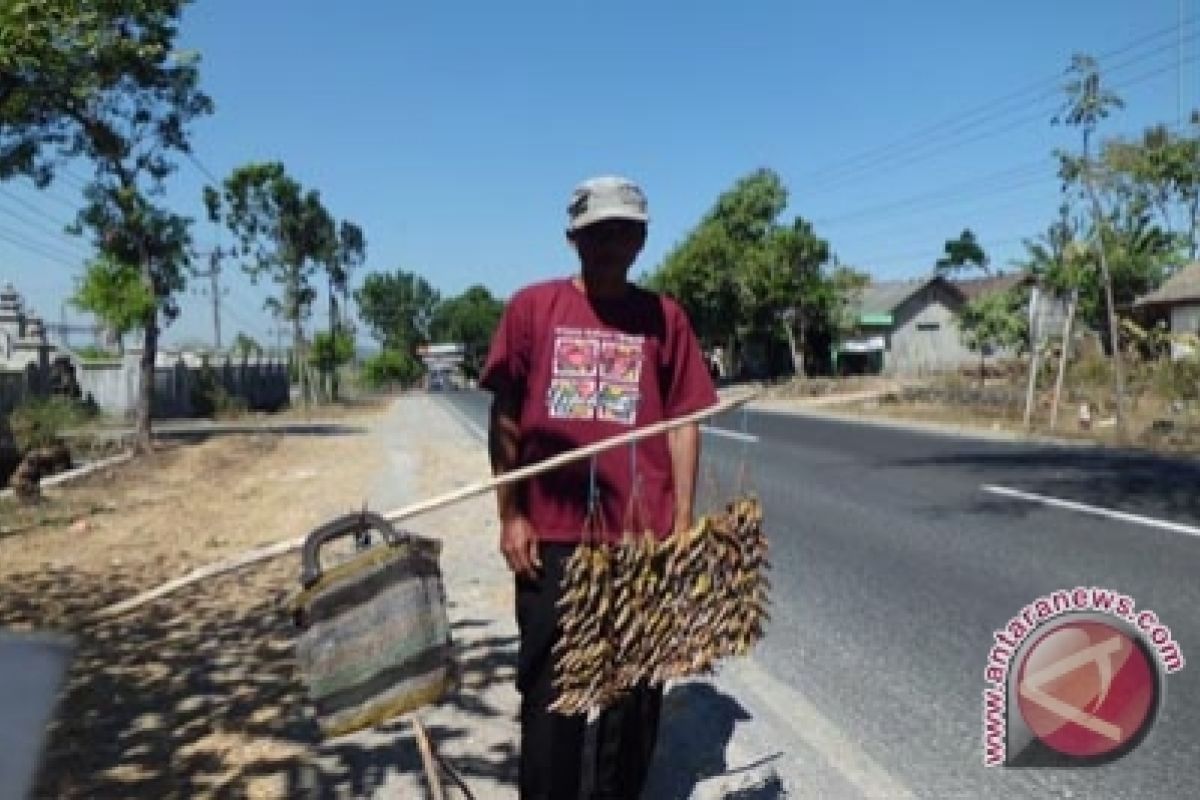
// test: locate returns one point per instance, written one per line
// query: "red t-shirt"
(587, 370)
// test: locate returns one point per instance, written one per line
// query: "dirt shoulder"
(193, 696)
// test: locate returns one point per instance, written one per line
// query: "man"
(574, 361)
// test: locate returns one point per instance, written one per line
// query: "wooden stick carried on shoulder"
(432, 504)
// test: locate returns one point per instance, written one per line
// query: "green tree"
(1088, 103)
(391, 367)
(398, 309)
(994, 321)
(330, 351)
(349, 253)
(287, 235)
(116, 294)
(1161, 171)
(962, 254)
(469, 319)
(245, 346)
(743, 272)
(104, 84)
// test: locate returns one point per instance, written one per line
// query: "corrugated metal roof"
(884, 297)
(973, 288)
(1183, 286)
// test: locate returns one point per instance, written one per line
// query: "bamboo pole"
(436, 792)
(416, 509)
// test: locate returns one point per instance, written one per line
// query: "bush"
(391, 367)
(40, 423)
(1178, 380)
(210, 399)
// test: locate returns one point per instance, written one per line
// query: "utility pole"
(214, 276)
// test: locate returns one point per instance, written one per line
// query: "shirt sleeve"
(689, 385)
(508, 359)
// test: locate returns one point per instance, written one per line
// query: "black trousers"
(552, 745)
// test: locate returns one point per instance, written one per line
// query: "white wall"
(1185, 319)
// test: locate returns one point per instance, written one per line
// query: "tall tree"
(962, 254)
(398, 308)
(349, 253)
(741, 271)
(1161, 171)
(245, 346)
(103, 83)
(469, 319)
(287, 235)
(1088, 103)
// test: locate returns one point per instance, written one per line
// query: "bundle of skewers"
(648, 610)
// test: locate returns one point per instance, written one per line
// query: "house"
(1178, 302)
(1049, 309)
(904, 328)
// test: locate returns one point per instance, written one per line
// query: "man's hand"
(518, 542)
(684, 446)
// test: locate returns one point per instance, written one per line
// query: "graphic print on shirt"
(595, 376)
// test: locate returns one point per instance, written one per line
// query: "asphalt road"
(892, 566)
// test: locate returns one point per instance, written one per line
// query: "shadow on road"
(1155, 485)
(198, 695)
(698, 723)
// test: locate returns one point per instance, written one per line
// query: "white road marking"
(476, 431)
(745, 679)
(1083, 508)
(741, 437)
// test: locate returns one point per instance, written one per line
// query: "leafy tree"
(963, 253)
(391, 367)
(470, 319)
(398, 308)
(287, 234)
(116, 294)
(1087, 104)
(330, 351)
(1162, 172)
(349, 253)
(994, 321)
(741, 271)
(245, 346)
(103, 83)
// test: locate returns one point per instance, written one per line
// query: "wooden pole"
(1035, 352)
(436, 792)
(425, 506)
(1062, 362)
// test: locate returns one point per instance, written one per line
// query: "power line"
(894, 259)
(1024, 175)
(938, 149)
(988, 111)
(61, 236)
(16, 198)
(200, 166)
(35, 248)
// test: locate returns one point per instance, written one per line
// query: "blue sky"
(453, 131)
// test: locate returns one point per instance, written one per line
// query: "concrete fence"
(181, 389)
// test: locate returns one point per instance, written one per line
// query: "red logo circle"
(1087, 688)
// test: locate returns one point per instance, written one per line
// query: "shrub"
(41, 423)
(390, 367)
